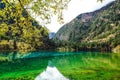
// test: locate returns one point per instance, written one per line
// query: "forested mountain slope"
(98, 29)
(18, 30)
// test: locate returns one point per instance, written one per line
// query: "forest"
(20, 31)
(86, 48)
(97, 31)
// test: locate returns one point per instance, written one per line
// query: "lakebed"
(73, 65)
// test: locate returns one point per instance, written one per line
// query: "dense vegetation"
(18, 30)
(98, 30)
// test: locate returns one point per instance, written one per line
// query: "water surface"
(73, 65)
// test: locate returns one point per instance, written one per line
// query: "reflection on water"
(73, 65)
(18, 55)
(51, 73)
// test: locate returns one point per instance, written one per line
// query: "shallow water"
(73, 65)
(51, 73)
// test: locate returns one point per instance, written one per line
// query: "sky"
(75, 8)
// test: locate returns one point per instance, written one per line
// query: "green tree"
(45, 8)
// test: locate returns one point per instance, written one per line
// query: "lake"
(73, 65)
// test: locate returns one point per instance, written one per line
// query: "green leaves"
(18, 26)
(1, 18)
(11, 21)
(45, 9)
(2, 5)
(24, 13)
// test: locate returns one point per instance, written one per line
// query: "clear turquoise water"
(73, 65)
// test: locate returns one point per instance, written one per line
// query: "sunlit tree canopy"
(45, 9)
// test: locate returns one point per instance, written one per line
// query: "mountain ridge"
(100, 26)
(83, 19)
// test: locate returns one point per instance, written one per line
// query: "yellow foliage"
(23, 46)
(117, 49)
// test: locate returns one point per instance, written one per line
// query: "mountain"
(100, 28)
(51, 35)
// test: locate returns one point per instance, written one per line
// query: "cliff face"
(76, 28)
(101, 26)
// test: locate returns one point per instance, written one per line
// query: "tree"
(18, 29)
(45, 8)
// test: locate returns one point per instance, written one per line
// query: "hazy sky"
(76, 7)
